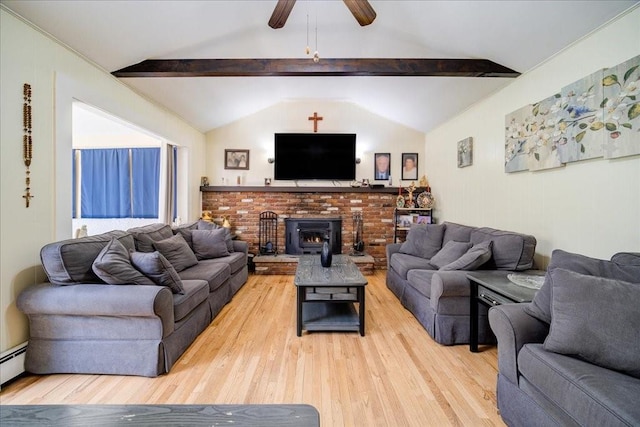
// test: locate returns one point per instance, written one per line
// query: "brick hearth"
(243, 205)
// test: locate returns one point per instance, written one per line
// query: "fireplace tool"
(358, 243)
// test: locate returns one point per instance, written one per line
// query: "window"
(118, 183)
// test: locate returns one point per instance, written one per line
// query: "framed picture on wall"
(465, 152)
(382, 166)
(409, 166)
(236, 159)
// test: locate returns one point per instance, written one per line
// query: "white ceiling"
(516, 34)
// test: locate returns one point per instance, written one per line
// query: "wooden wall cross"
(315, 119)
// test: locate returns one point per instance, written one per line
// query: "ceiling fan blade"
(362, 11)
(281, 13)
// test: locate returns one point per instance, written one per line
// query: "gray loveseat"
(572, 356)
(428, 273)
(129, 302)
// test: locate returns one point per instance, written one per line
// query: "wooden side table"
(492, 288)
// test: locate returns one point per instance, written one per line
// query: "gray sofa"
(572, 356)
(94, 317)
(428, 274)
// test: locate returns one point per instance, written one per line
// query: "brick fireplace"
(243, 205)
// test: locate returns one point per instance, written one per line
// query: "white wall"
(375, 134)
(591, 207)
(58, 77)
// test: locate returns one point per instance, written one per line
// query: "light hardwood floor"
(396, 375)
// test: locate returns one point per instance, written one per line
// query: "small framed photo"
(382, 166)
(405, 221)
(424, 219)
(204, 181)
(409, 166)
(236, 159)
(465, 152)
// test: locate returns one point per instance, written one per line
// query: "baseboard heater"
(12, 362)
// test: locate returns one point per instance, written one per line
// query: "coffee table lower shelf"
(324, 316)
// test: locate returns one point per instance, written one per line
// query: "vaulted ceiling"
(516, 34)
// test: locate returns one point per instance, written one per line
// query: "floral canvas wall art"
(579, 110)
(621, 115)
(597, 116)
(517, 131)
(542, 144)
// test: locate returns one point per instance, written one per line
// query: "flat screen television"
(322, 156)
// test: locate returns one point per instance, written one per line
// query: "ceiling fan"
(361, 10)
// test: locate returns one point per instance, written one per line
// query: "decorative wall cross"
(315, 119)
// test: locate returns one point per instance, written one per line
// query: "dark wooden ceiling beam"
(410, 67)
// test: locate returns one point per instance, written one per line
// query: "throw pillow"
(206, 225)
(209, 244)
(423, 240)
(596, 320)
(540, 307)
(450, 252)
(477, 255)
(113, 265)
(177, 251)
(185, 231)
(158, 269)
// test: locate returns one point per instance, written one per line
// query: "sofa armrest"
(513, 328)
(391, 249)
(99, 300)
(240, 246)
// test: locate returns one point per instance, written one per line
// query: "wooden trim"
(409, 67)
(276, 189)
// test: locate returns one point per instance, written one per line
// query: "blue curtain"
(73, 184)
(145, 170)
(106, 184)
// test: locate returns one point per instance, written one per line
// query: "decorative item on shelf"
(358, 243)
(204, 181)
(27, 142)
(424, 183)
(425, 199)
(409, 199)
(356, 184)
(267, 181)
(225, 222)
(365, 182)
(206, 216)
(325, 254)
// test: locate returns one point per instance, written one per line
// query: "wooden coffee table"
(326, 295)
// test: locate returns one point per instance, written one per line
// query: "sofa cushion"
(113, 265)
(510, 251)
(155, 266)
(627, 258)
(195, 293)
(145, 236)
(185, 231)
(450, 252)
(236, 261)
(69, 262)
(403, 263)
(177, 251)
(590, 394)
(214, 273)
(420, 280)
(540, 307)
(208, 244)
(596, 320)
(457, 232)
(475, 257)
(423, 240)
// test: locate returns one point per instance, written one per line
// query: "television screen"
(322, 156)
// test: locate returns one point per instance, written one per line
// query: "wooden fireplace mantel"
(291, 189)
